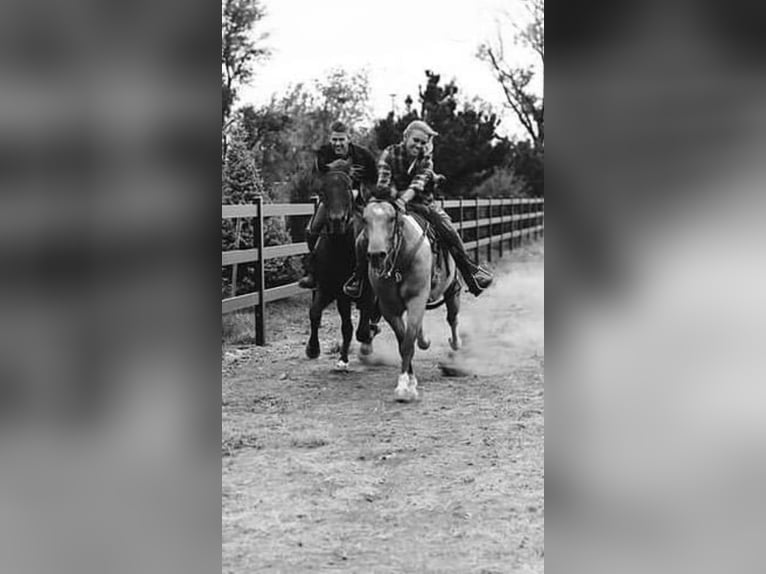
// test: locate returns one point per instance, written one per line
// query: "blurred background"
(109, 392)
(655, 428)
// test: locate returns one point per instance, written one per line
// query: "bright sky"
(394, 40)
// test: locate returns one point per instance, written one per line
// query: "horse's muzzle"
(336, 226)
(376, 258)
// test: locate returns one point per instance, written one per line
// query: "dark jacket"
(358, 155)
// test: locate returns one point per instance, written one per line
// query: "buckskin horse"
(335, 261)
(407, 277)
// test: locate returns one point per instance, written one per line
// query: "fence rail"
(503, 221)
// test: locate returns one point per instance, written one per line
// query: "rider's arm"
(322, 159)
(384, 168)
(423, 172)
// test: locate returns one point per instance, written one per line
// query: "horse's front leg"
(399, 328)
(318, 303)
(347, 330)
(367, 328)
(406, 389)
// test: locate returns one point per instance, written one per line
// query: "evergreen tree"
(241, 181)
(467, 149)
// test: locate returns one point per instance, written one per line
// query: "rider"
(340, 151)
(405, 174)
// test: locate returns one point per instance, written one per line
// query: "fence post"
(515, 227)
(527, 213)
(260, 308)
(476, 227)
(537, 220)
(489, 245)
(526, 220)
(502, 225)
(237, 231)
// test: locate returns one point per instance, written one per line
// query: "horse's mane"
(339, 173)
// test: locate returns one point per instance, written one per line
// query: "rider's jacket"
(358, 155)
(396, 168)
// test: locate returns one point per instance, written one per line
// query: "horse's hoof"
(424, 344)
(406, 391)
(406, 395)
(413, 387)
(312, 352)
(341, 366)
(455, 344)
(365, 349)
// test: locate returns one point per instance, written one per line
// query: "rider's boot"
(353, 287)
(476, 278)
(308, 281)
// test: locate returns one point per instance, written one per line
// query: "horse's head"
(380, 222)
(338, 201)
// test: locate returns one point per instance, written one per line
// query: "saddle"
(438, 249)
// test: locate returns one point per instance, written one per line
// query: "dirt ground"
(325, 472)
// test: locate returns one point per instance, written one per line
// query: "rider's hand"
(337, 164)
(356, 171)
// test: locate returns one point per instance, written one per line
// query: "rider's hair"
(419, 125)
(339, 126)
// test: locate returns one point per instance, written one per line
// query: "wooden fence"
(486, 225)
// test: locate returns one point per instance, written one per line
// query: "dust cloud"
(502, 329)
(655, 411)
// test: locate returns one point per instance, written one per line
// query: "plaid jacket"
(395, 168)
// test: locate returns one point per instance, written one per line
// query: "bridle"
(349, 185)
(392, 265)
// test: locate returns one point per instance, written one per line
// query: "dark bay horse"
(406, 281)
(335, 262)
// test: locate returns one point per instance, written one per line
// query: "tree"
(467, 149)
(284, 134)
(241, 183)
(240, 49)
(241, 180)
(515, 79)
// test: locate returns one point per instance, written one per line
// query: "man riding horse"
(405, 175)
(339, 153)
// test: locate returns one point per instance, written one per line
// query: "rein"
(392, 267)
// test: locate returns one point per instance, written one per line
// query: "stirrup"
(353, 288)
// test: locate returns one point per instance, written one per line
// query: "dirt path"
(324, 472)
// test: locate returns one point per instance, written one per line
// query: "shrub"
(503, 182)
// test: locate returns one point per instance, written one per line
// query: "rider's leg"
(477, 279)
(353, 287)
(313, 232)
